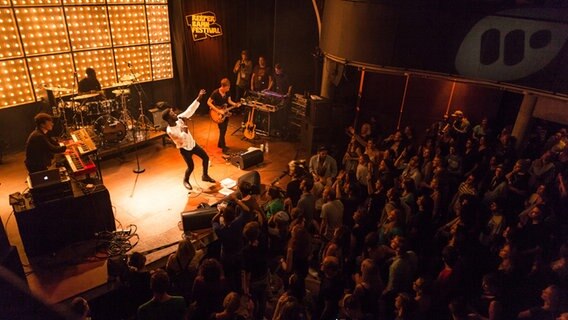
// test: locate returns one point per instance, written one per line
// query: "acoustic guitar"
(250, 126)
(219, 117)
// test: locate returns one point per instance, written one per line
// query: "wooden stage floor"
(152, 201)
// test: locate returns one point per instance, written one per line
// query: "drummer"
(90, 84)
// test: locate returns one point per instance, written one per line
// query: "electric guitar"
(219, 117)
(250, 126)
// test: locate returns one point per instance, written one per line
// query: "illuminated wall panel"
(47, 42)
(54, 71)
(124, 1)
(158, 26)
(161, 61)
(36, 2)
(76, 2)
(128, 25)
(88, 27)
(9, 36)
(139, 58)
(42, 30)
(101, 60)
(14, 83)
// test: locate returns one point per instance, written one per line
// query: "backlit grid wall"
(9, 36)
(43, 42)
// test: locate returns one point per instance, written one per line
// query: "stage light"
(161, 61)
(5, 3)
(88, 27)
(158, 25)
(14, 83)
(53, 70)
(11, 47)
(101, 61)
(128, 25)
(42, 30)
(139, 59)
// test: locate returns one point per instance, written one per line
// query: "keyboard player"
(40, 147)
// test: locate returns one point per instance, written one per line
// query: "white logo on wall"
(509, 48)
(203, 25)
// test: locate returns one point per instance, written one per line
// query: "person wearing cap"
(40, 147)
(322, 165)
(243, 70)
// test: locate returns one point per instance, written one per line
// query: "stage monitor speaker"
(247, 159)
(253, 178)
(198, 219)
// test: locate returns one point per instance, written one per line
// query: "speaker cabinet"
(157, 118)
(198, 219)
(319, 113)
(247, 159)
(314, 136)
(253, 178)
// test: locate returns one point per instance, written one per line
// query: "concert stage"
(152, 201)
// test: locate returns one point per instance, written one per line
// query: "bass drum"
(110, 129)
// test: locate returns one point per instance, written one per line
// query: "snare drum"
(110, 129)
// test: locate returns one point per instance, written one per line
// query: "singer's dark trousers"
(187, 157)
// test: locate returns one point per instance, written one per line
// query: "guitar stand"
(241, 128)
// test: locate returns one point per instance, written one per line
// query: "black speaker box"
(198, 219)
(313, 137)
(247, 159)
(253, 178)
(319, 113)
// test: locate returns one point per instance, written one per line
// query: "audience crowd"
(458, 225)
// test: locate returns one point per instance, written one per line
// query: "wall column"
(327, 86)
(524, 118)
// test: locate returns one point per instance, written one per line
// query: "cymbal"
(57, 89)
(86, 96)
(119, 84)
(130, 77)
(119, 92)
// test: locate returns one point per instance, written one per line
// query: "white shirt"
(178, 133)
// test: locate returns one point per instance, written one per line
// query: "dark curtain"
(246, 24)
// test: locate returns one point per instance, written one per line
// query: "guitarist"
(219, 100)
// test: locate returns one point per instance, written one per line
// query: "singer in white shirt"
(177, 130)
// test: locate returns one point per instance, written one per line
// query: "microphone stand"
(145, 122)
(76, 79)
(136, 128)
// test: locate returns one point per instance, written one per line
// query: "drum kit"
(110, 119)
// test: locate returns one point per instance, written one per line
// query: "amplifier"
(54, 192)
(198, 219)
(247, 159)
